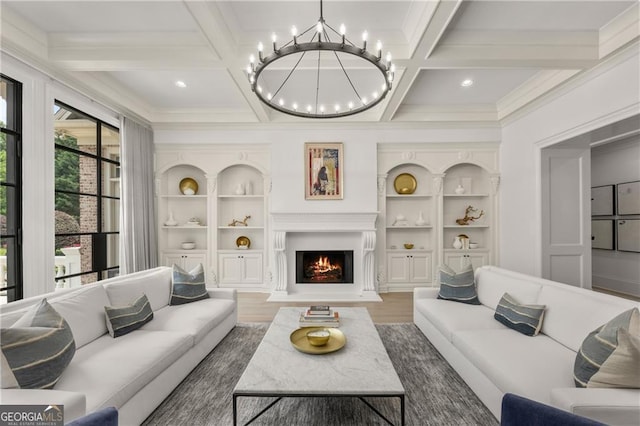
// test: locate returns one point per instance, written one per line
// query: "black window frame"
(15, 289)
(99, 238)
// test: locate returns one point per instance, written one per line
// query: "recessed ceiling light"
(466, 82)
(181, 84)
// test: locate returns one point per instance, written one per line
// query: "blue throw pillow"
(458, 287)
(36, 349)
(526, 319)
(187, 287)
(610, 355)
(124, 319)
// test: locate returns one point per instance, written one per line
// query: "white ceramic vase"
(171, 221)
(460, 189)
(240, 189)
(457, 243)
(420, 221)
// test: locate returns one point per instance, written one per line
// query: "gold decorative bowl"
(408, 246)
(188, 186)
(318, 337)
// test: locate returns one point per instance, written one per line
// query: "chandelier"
(319, 86)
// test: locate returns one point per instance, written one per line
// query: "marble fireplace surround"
(320, 231)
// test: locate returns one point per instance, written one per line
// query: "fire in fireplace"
(324, 267)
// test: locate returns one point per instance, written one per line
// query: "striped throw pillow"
(527, 319)
(124, 319)
(36, 349)
(458, 287)
(187, 287)
(610, 355)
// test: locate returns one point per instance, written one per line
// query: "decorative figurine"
(467, 218)
(243, 222)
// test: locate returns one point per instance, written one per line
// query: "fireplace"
(324, 267)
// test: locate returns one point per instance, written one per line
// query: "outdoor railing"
(64, 265)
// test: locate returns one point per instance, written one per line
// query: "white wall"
(614, 163)
(603, 95)
(360, 156)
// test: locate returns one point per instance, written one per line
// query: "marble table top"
(361, 367)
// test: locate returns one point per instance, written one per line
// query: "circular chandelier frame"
(385, 67)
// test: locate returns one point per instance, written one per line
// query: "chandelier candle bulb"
(274, 37)
(260, 49)
(365, 36)
(379, 49)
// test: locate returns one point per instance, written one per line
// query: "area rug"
(435, 394)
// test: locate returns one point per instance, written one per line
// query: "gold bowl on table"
(318, 337)
(299, 340)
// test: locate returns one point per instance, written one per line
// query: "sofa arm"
(607, 405)
(223, 293)
(425, 293)
(75, 403)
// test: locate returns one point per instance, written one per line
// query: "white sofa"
(493, 359)
(137, 371)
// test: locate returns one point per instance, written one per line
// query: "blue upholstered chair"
(519, 411)
(105, 417)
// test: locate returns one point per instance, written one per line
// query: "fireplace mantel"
(324, 226)
(324, 222)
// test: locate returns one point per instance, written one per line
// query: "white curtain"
(138, 245)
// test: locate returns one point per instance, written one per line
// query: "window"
(87, 198)
(10, 190)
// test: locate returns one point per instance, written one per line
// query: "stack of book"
(319, 316)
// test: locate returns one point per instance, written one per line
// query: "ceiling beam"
(435, 27)
(211, 22)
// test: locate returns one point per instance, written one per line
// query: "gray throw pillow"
(187, 287)
(610, 355)
(526, 319)
(124, 319)
(458, 287)
(36, 349)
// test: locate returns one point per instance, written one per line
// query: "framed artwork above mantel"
(324, 171)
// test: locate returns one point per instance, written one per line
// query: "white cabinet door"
(185, 261)
(459, 260)
(398, 268)
(409, 268)
(420, 264)
(240, 268)
(252, 268)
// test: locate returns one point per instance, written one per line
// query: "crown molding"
(579, 79)
(620, 31)
(541, 83)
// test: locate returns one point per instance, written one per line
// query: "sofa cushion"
(154, 283)
(492, 283)
(525, 319)
(84, 311)
(36, 349)
(111, 371)
(197, 319)
(610, 356)
(124, 319)
(82, 308)
(572, 313)
(187, 287)
(449, 317)
(458, 286)
(517, 363)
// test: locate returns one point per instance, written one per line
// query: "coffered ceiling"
(131, 53)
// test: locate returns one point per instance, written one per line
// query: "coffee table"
(362, 368)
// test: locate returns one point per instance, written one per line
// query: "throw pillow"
(458, 287)
(187, 287)
(610, 355)
(36, 349)
(124, 319)
(526, 319)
